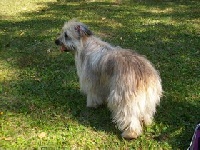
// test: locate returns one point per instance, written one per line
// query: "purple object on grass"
(195, 143)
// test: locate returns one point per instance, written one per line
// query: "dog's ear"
(83, 30)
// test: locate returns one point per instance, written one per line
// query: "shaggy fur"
(126, 81)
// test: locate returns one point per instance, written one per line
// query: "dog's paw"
(147, 120)
(91, 106)
(129, 135)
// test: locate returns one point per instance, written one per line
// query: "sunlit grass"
(13, 8)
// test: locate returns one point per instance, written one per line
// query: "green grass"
(40, 102)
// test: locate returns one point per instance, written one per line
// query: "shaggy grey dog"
(126, 81)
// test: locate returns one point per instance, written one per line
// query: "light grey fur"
(126, 81)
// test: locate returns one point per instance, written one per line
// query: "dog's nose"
(57, 42)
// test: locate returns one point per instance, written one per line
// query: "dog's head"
(71, 35)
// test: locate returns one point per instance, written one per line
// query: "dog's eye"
(66, 36)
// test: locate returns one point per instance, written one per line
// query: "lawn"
(40, 102)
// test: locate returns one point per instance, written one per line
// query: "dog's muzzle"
(63, 48)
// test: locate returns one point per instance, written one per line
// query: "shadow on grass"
(47, 80)
(179, 119)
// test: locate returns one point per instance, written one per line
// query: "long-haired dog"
(126, 81)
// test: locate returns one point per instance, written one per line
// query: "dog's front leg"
(93, 100)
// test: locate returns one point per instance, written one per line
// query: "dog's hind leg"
(126, 113)
(128, 121)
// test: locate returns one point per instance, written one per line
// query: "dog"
(121, 78)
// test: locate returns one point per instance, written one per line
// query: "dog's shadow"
(99, 119)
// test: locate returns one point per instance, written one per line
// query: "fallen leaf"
(42, 135)
(8, 138)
